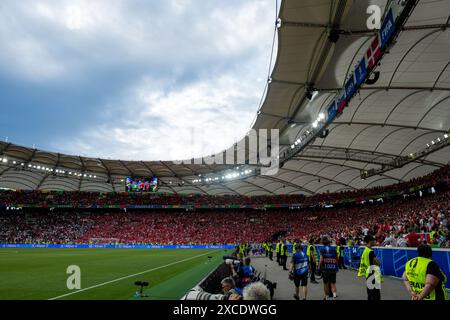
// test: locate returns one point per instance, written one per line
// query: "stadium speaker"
(373, 78)
(333, 36)
(324, 133)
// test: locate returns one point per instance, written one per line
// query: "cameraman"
(244, 273)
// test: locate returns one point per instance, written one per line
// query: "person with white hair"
(256, 291)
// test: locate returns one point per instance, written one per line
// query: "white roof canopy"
(403, 111)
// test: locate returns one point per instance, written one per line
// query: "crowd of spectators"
(392, 222)
(93, 199)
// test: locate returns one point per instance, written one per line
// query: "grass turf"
(41, 273)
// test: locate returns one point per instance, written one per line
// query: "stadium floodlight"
(315, 124)
(321, 116)
(445, 136)
(292, 146)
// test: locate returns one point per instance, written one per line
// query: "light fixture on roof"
(315, 124)
(445, 136)
(321, 116)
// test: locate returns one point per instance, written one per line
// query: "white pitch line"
(129, 276)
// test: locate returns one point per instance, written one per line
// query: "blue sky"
(132, 79)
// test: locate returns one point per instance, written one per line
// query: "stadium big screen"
(134, 184)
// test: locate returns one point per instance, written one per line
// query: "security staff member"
(284, 253)
(423, 278)
(271, 251)
(278, 251)
(266, 249)
(340, 253)
(294, 249)
(312, 258)
(368, 268)
(299, 269)
(242, 250)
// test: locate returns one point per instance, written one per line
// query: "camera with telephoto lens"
(231, 260)
(271, 286)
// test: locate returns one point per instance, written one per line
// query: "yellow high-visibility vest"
(311, 253)
(416, 272)
(364, 263)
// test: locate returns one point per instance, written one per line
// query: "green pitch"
(105, 273)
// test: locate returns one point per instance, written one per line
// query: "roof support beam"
(48, 173)
(366, 152)
(83, 169)
(109, 174)
(259, 187)
(288, 183)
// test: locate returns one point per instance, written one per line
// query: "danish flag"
(373, 54)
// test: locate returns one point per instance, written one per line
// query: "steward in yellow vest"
(423, 278)
(311, 253)
(312, 258)
(369, 268)
(278, 251)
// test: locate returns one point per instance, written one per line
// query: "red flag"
(373, 54)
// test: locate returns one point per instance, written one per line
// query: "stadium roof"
(408, 107)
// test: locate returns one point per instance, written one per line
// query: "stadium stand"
(394, 220)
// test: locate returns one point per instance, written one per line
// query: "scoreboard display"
(135, 184)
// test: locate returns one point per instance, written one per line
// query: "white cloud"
(198, 120)
(198, 69)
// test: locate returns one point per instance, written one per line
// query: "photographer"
(255, 291)
(229, 288)
(243, 272)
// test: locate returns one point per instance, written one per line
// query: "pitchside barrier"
(115, 246)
